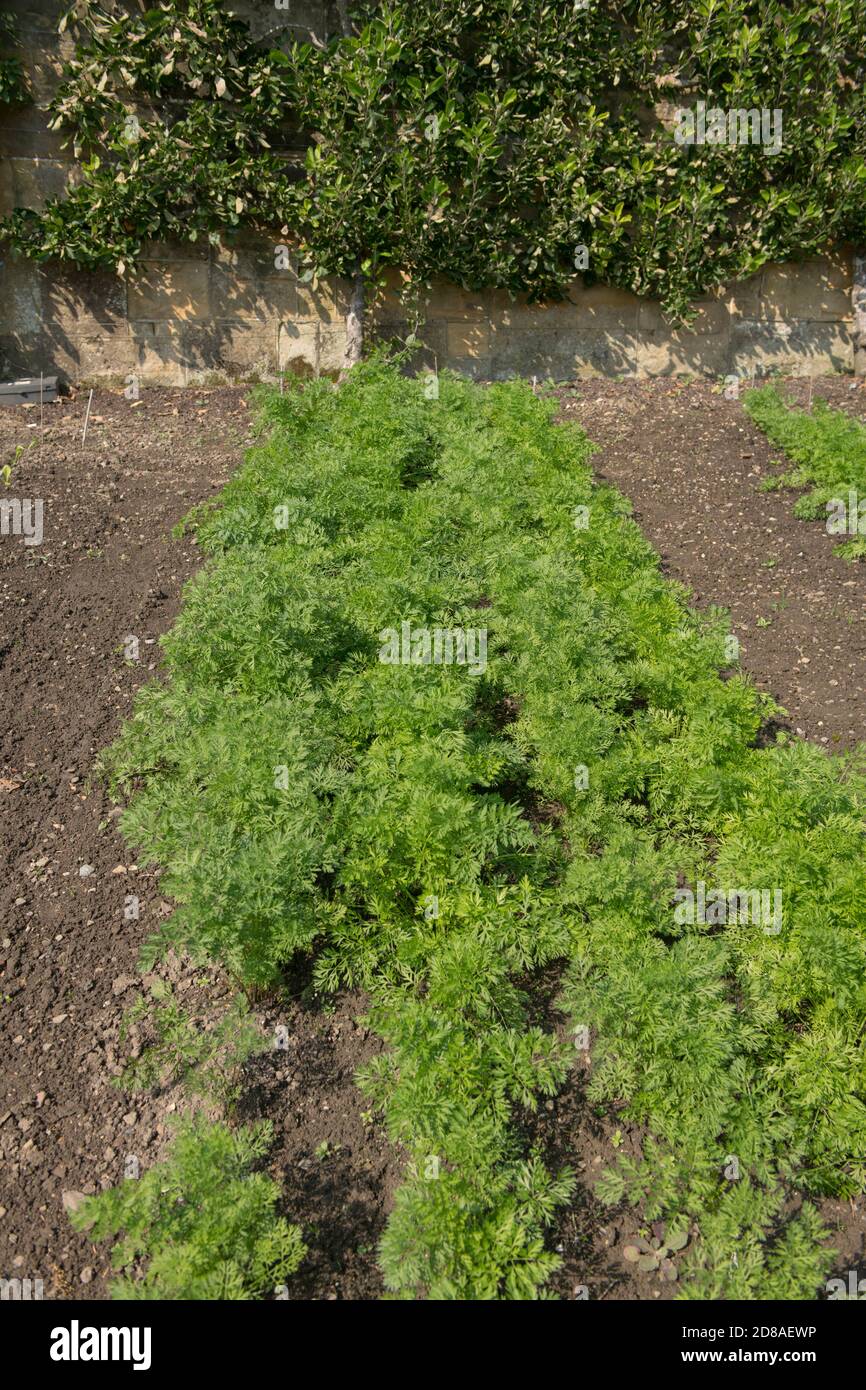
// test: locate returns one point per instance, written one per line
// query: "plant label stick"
(87, 417)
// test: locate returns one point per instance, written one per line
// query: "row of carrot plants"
(828, 449)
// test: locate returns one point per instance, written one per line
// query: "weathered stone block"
(712, 316)
(818, 290)
(167, 290)
(44, 69)
(227, 351)
(83, 302)
(183, 353)
(165, 251)
(449, 301)
(385, 304)
(604, 309)
(40, 18)
(7, 189)
(681, 353)
(468, 340)
(24, 134)
(432, 351)
(521, 317)
(300, 17)
(160, 358)
(327, 303)
(385, 300)
(109, 358)
(332, 349)
(818, 347)
(743, 299)
(29, 353)
(476, 368)
(22, 287)
(241, 289)
(299, 348)
(560, 355)
(34, 181)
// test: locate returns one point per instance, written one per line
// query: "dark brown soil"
(336, 1169)
(107, 569)
(588, 1236)
(570, 1133)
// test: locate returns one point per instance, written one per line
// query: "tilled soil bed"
(108, 570)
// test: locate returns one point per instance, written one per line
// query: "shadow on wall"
(195, 315)
(71, 326)
(792, 317)
(188, 315)
(743, 350)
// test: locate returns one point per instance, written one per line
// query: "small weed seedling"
(655, 1254)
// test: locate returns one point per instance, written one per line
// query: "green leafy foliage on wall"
(14, 87)
(488, 143)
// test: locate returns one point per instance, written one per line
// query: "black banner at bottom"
(62, 1339)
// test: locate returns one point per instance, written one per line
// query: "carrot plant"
(435, 832)
(203, 1221)
(829, 449)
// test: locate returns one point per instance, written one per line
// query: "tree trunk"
(858, 304)
(355, 316)
(355, 322)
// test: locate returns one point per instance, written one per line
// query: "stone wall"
(202, 314)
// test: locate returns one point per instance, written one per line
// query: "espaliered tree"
(507, 143)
